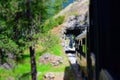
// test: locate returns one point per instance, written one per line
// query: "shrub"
(52, 22)
(60, 19)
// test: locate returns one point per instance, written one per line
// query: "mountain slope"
(79, 7)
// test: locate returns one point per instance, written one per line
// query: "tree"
(40, 15)
(20, 22)
(6, 16)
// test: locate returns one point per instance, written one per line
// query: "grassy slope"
(24, 66)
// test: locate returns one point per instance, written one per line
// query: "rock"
(76, 22)
(7, 66)
(50, 58)
(11, 56)
(60, 59)
(46, 56)
(49, 76)
(55, 63)
(71, 18)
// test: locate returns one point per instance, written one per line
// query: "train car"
(81, 44)
(103, 39)
(82, 54)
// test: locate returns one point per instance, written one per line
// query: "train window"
(83, 41)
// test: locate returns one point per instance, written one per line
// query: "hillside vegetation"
(47, 41)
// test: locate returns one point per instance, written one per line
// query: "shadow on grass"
(22, 58)
(25, 56)
(25, 76)
(41, 52)
(68, 74)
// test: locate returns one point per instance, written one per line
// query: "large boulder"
(50, 58)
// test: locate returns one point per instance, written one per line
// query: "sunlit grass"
(24, 67)
(14, 73)
(57, 50)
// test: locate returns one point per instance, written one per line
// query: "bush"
(60, 19)
(50, 43)
(52, 22)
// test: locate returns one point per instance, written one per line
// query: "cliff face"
(76, 15)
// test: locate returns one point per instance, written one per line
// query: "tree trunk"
(33, 63)
(32, 50)
(1, 57)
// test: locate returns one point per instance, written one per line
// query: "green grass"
(24, 65)
(50, 68)
(15, 73)
(57, 50)
(44, 68)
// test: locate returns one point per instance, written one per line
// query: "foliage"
(60, 19)
(48, 40)
(56, 49)
(15, 73)
(55, 6)
(14, 22)
(51, 23)
(8, 44)
(18, 32)
(24, 66)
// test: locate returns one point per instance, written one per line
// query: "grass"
(24, 67)
(57, 50)
(15, 73)
(44, 68)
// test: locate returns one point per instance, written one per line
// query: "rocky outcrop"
(50, 58)
(76, 16)
(75, 24)
(76, 21)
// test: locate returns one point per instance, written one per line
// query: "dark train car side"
(104, 37)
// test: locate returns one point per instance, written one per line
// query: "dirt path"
(59, 76)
